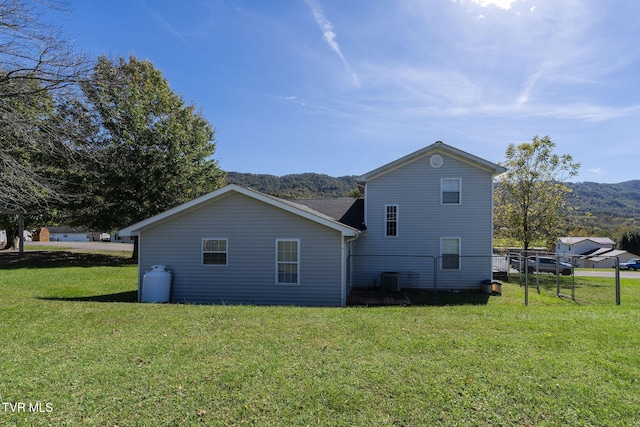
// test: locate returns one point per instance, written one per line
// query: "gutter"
(345, 252)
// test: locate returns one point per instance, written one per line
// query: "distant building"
(592, 252)
(41, 235)
(64, 234)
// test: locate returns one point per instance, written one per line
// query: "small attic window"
(436, 161)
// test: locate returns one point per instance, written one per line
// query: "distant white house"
(583, 245)
(592, 252)
(3, 238)
(68, 234)
(116, 237)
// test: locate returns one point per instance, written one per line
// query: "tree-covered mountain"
(607, 207)
(296, 186)
(597, 209)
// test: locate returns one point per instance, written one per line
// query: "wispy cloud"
(330, 37)
(172, 30)
(528, 87)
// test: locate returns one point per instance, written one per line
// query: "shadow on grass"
(54, 259)
(375, 297)
(447, 298)
(131, 296)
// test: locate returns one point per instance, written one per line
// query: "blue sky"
(342, 87)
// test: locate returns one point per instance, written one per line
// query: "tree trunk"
(134, 255)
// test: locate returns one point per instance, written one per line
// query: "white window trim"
(397, 220)
(442, 180)
(278, 283)
(459, 253)
(202, 252)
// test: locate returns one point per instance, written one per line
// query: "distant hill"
(606, 206)
(621, 199)
(296, 186)
(599, 208)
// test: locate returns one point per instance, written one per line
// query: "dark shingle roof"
(346, 210)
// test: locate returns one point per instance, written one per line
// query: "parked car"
(632, 264)
(544, 265)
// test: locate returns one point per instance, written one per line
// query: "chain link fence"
(427, 279)
(581, 279)
(434, 279)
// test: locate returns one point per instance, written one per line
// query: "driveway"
(585, 272)
(624, 274)
(91, 246)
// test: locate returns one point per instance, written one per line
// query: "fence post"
(526, 280)
(573, 284)
(557, 275)
(435, 280)
(617, 281)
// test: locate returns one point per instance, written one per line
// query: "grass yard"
(74, 346)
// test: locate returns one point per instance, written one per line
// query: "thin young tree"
(530, 196)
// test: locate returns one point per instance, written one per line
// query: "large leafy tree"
(150, 150)
(530, 196)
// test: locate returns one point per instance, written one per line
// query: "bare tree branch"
(39, 69)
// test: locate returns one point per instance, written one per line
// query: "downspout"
(492, 233)
(345, 255)
(139, 267)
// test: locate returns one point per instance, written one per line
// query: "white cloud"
(597, 171)
(330, 37)
(503, 4)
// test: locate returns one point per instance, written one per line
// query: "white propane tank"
(156, 284)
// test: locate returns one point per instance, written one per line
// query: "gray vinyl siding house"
(441, 197)
(247, 269)
(428, 212)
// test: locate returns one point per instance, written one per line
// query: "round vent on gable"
(435, 161)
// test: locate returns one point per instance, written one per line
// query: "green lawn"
(71, 344)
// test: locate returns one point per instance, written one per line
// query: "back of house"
(429, 221)
(426, 221)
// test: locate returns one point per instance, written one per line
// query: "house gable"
(436, 149)
(231, 189)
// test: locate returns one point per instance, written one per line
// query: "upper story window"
(391, 220)
(287, 261)
(450, 191)
(214, 251)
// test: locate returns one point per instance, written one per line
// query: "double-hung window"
(450, 191)
(287, 261)
(450, 253)
(214, 251)
(391, 220)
